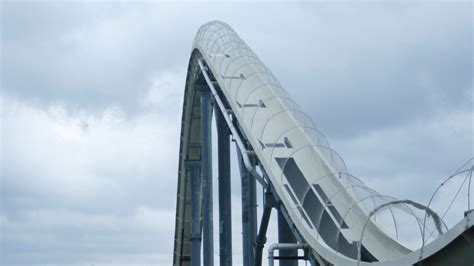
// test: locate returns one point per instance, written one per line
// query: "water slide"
(332, 212)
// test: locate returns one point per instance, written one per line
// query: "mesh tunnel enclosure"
(343, 221)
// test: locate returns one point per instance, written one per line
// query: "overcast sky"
(91, 98)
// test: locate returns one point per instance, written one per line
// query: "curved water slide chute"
(333, 212)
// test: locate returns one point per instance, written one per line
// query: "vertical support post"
(286, 236)
(225, 213)
(206, 175)
(269, 203)
(252, 211)
(245, 212)
(249, 225)
(195, 239)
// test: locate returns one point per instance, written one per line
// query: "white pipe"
(240, 143)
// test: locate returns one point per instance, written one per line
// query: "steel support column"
(224, 183)
(286, 236)
(252, 211)
(206, 176)
(269, 203)
(195, 239)
(249, 216)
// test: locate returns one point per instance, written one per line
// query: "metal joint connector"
(195, 237)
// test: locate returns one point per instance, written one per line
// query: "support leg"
(269, 203)
(225, 213)
(249, 225)
(195, 239)
(206, 175)
(252, 212)
(286, 236)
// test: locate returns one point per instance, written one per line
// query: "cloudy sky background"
(91, 105)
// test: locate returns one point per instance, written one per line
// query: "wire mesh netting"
(244, 78)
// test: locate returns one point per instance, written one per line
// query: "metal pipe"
(262, 232)
(224, 183)
(206, 173)
(233, 130)
(283, 246)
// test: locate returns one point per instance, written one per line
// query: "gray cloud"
(373, 65)
(86, 55)
(91, 101)
(85, 194)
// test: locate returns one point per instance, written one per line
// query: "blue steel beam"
(195, 239)
(206, 176)
(249, 216)
(268, 204)
(224, 183)
(285, 235)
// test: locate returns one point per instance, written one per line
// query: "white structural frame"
(323, 207)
